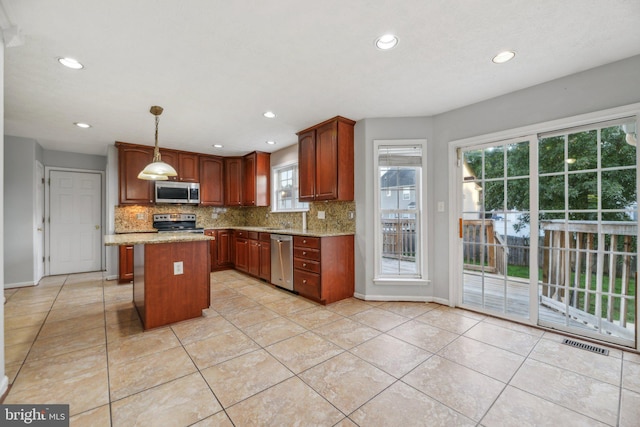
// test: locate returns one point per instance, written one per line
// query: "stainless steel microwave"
(177, 192)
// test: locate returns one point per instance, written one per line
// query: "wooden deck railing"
(483, 247)
(591, 270)
(399, 239)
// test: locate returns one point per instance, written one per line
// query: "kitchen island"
(171, 275)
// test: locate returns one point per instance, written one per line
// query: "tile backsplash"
(131, 219)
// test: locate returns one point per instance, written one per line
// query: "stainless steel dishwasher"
(282, 261)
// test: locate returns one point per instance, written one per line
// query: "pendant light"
(157, 170)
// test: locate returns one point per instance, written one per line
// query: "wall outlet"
(141, 216)
(214, 215)
(177, 268)
(320, 214)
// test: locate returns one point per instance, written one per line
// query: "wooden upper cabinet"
(233, 181)
(211, 181)
(256, 177)
(325, 161)
(186, 164)
(189, 167)
(307, 166)
(131, 161)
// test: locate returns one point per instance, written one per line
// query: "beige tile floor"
(262, 356)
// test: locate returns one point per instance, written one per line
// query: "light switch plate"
(320, 214)
(177, 268)
(440, 206)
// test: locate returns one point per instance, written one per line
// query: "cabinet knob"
(304, 281)
(304, 264)
(304, 241)
(304, 253)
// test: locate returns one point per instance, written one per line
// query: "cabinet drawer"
(253, 235)
(240, 234)
(307, 284)
(307, 265)
(306, 242)
(265, 237)
(312, 254)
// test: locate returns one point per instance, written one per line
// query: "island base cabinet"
(324, 267)
(163, 292)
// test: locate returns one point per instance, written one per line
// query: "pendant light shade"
(157, 170)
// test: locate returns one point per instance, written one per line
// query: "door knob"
(39, 229)
(97, 227)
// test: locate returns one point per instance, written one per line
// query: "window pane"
(399, 204)
(493, 162)
(616, 151)
(583, 150)
(551, 155)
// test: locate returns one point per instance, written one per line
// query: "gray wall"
(367, 131)
(20, 155)
(19, 207)
(609, 86)
(62, 159)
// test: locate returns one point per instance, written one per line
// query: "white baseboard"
(411, 298)
(112, 277)
(19, 285)
(4, 385)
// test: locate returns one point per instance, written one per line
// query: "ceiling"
(217, 65)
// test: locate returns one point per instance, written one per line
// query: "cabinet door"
(224, 247)
(131, 161)
(189, 167)
(254, 257)
(213, 249)
(125, 264)
(211, 181)
(307, 165)
(265, 261)
(249, 195)
(171, 158)
(242, 254)
(233, 181)
(327, 162)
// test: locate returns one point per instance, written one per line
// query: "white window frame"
(421, 278)
(275, 170)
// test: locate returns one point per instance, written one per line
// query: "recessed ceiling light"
(82, 125)
(217, 145)
(503, 57)
(71, 63)
(269, 114)
(386, 42)
(271, 142)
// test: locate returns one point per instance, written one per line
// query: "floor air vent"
(587, 347)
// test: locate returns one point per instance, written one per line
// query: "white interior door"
(75, 222)
(38, 223)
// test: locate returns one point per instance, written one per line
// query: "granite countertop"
(152, 238)
(291, 231)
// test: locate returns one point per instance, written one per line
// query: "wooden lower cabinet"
(241, 251)
(323, 267)
(258, 253)
(264, 270)
(160, 295)
(220, 249)
(125, 264)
